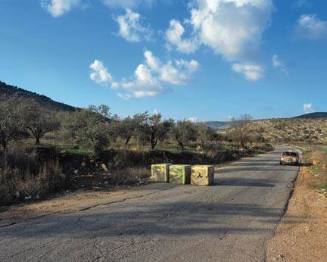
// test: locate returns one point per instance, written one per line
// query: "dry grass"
(292, 130)
(130, 176)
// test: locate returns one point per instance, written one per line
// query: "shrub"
(24, 176)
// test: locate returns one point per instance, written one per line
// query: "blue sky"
(203, 59)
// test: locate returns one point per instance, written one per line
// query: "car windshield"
(293, 154)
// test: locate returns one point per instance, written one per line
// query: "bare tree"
(240, 130)
(10, 123)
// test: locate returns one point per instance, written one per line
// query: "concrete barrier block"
(160, 173)
(203, 175)
(180, 174)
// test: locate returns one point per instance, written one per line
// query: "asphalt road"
(161, 222)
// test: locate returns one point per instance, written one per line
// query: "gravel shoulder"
(301, 235)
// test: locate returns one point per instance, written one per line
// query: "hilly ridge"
(13, 92)
(314, 115)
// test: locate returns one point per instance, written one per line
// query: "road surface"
(229, 221)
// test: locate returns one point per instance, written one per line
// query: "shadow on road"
(255, 182)
(255, 168)
(177, 218)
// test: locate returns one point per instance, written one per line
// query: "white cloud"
(149, 78)
(278, 63)
(308, 108)
(231, 28)
(130, 27)
(310, 26)
(174, 36)
(251, 72)
(59, 7)
(99, 73)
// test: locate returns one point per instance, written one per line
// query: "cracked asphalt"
(229, 221)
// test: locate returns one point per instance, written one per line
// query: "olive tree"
(89, 128)
(38, 121)
(158, 129)
(184, 132)
(204, 134)
(10, 123)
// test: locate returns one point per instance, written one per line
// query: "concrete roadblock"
(202, 175)
(180, 174)
(160, 173)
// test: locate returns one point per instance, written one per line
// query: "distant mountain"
(13, 92)
(313, 115)
(217, 124)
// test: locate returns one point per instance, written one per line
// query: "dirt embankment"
(301, 236)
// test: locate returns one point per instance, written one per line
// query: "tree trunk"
(4, 145)
(153, 140)
(37, 140)
(154, 144)
(181, 145)
(127, 140)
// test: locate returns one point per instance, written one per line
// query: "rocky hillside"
(13, 92)
(308, 130)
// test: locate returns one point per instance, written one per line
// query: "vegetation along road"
(230, 221)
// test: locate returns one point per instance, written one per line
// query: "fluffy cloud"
(251, 72)
(130, 27)
(308, 108)
(149, 77)
(174, 36)
(59, 7)
(231, 28)
(100, 73)
(310, 26)
(278, 63)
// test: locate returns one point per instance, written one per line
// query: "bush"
(130, 176)
(24, 176)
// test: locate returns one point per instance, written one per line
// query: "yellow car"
(290, 158)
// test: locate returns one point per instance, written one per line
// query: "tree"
(10, 122)
(125, 129)
(158, 129)
(184, 132)
(142, 128)
(88, 128)
(102, 110)
(204, 134)
(164, 129)
(239, 128)
(38, 121)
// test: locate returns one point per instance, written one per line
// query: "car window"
(293, 154)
